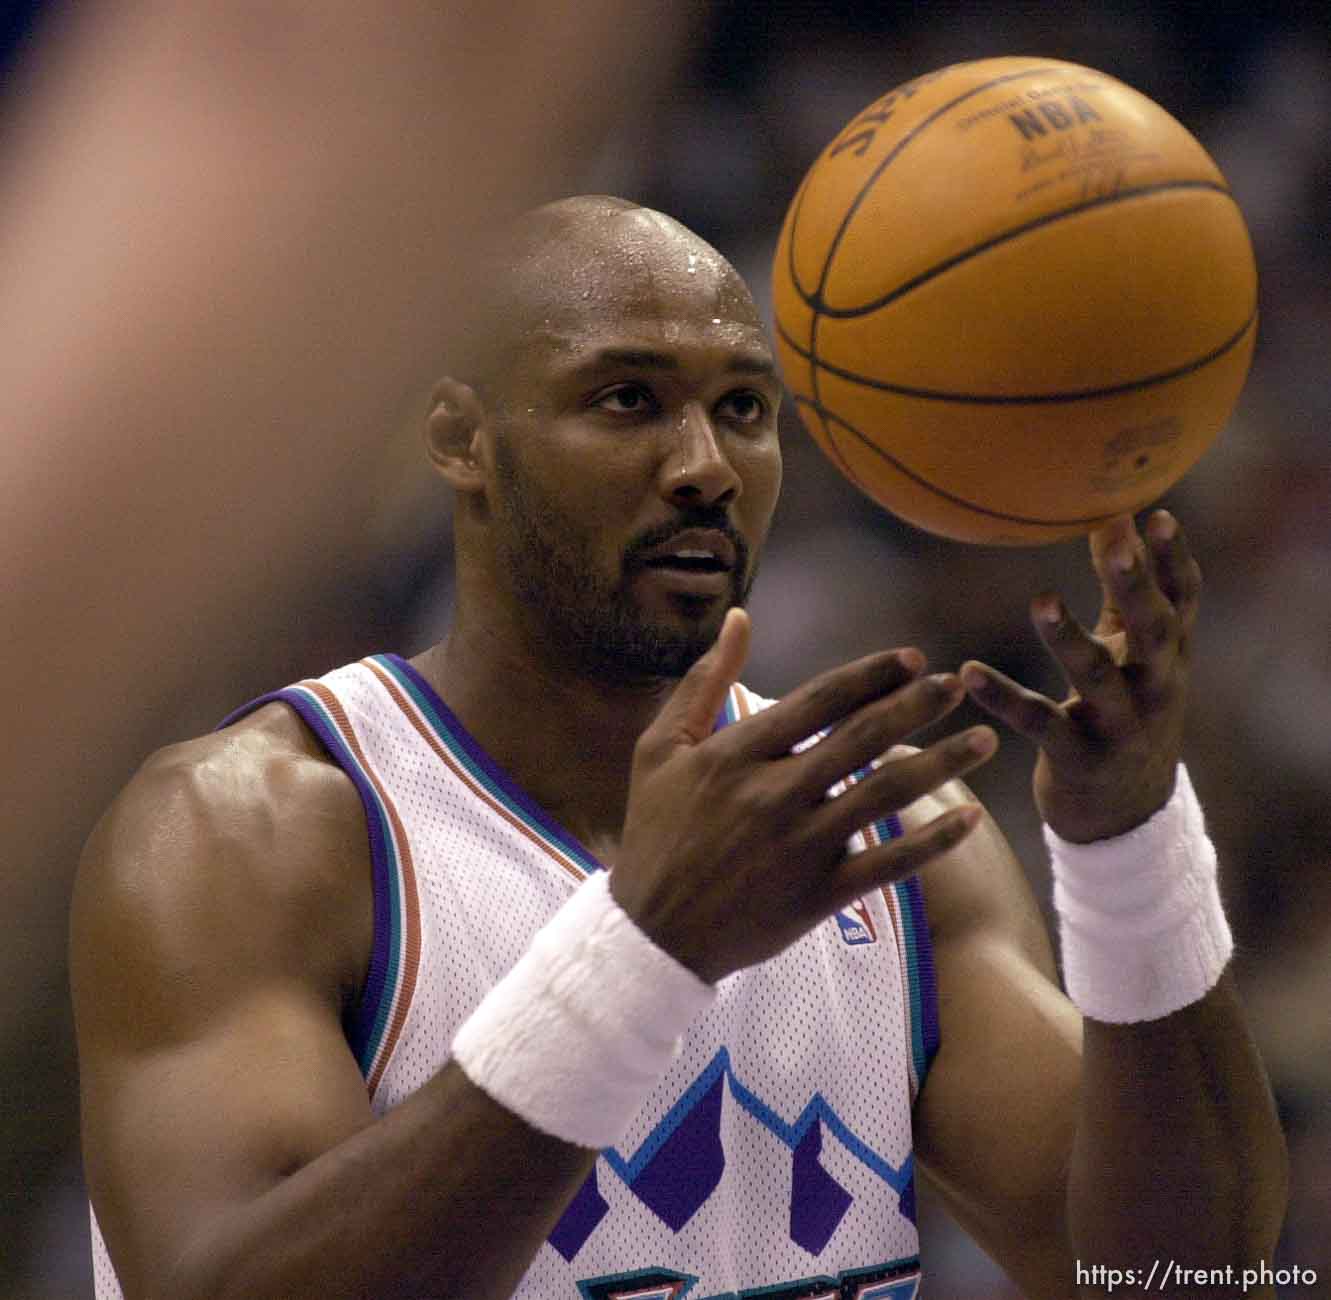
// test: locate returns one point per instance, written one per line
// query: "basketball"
(1014, 298)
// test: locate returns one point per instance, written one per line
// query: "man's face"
(637, 463)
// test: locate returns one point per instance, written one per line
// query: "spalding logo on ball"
(1013, 299)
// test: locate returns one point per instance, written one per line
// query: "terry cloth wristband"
(576, 1035)
(1141, 924)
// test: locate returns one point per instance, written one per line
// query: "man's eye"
(625, 399)
(744, 407)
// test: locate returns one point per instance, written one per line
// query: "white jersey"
(773, 1158)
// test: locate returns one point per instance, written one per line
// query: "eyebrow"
(743, 363)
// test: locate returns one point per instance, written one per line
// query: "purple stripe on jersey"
(818, 1202)
(514, 793)
(924, 977)
(889, 827)
(363, 1021)
(906, 1198)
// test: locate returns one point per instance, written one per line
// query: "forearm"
(448, 1195)
(1178, 1155)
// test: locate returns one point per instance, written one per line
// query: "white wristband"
(1141, 924)
(577, 1034)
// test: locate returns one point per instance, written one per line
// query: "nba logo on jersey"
(856, 924)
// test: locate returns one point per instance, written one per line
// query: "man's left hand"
(1109, 751)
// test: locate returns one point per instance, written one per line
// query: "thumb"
(690, 714)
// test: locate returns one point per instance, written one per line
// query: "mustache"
(712, 518)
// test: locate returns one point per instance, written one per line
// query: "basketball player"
(556, 963)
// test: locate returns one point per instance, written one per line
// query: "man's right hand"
(732, 848)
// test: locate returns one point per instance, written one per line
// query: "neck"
(567, 739)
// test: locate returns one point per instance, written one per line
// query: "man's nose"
(697, 472)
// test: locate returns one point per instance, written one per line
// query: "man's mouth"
(689, 561)
(694, 550)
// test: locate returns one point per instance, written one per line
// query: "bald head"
(586, 265)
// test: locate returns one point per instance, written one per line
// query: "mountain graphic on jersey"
(675, 1171)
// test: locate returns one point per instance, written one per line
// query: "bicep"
(212, 1061)
(176, 1135)
(996, 1116)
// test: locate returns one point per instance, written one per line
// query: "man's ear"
(452, 434)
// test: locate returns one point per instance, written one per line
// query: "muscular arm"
(221, 928)
(1178, 1155)
(1055, 1140)
(995, 1120)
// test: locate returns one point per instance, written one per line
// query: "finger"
(827, 699)
(1151, 625)
(1116, 533)
(884, 864)
(1086, 661)
(1177, 571)
(689, 715)
(1027, 712)
(897, 783)
(872, 730)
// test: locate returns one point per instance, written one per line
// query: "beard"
(596, 623)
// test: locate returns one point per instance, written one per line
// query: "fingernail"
(973, 679)
(1164, 527)
(911, 660)
(1123, 557)
(981, 741)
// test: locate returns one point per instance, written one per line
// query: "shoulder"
(244, 850)
(262, 784)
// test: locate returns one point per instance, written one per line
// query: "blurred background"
(760, 90)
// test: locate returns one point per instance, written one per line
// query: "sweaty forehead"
(637, 264)
(584, 271)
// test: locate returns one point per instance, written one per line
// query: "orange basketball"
(1014, 298)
